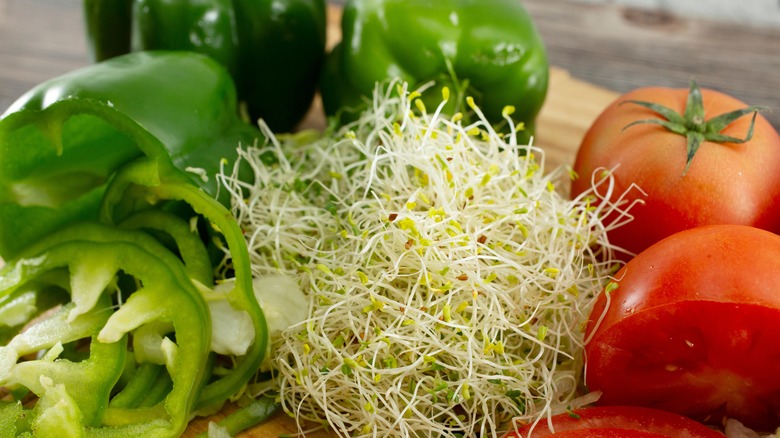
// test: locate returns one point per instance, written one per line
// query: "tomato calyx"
(692, 123)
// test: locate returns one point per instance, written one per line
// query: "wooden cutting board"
(570, 108)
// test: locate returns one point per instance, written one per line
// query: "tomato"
(693, 327)
(617, 422)
(725, 183)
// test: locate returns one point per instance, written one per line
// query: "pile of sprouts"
(448, 275)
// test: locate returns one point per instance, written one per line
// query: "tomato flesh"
(617, 422)
(694, 328)
(689, 358)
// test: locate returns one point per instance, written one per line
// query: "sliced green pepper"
(94, 255)
(273, 48)
(62, 141)
(487, 49)
(136, 142)
(88, 382)
(134, 391)
(186, 241)
(254, 412)
(13, 421)
(143, 182)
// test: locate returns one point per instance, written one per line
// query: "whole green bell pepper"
(273, 48)
(487, 49)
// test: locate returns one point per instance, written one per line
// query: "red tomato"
(693, 327)
(726, 183)
(618, 422)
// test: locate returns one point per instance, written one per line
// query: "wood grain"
(622, 48)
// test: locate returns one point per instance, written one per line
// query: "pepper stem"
(693, 123)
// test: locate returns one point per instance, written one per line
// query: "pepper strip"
(145, 181)
(167, 293)
(188, 244)
(255, 412)
(88, 382)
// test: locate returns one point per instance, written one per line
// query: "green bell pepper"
(88, 381)
(273, 48)
(143, 184)
(74, 396)
(108, 173)
(102, 18)
(13, 421)
(63, 140)
(487, 49)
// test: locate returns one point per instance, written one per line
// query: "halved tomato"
(617, 422)
(692, 325)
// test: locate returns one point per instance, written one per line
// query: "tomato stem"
(693, 124)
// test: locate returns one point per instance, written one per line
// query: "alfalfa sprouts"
(448, 274)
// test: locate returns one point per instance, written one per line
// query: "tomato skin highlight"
(726, 183)
(694, 328)
(617, 422)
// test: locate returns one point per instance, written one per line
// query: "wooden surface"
(621, 48)
(597, 51)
